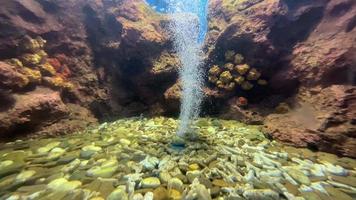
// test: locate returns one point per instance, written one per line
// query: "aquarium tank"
(177, 100)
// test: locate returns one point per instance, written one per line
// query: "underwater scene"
(177, 99)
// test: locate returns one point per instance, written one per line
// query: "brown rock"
(323, 121)
(11, 78)
(32, 111)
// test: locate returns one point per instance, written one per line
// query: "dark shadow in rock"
(286, 32)
(6, 99)
(48, 6)
(351, 25)
(342, 8)
(27, 15)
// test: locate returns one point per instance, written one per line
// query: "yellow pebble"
(193, 167)
(174, 194)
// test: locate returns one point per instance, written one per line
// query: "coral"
(234, 76)
(215, 70)
(42, 54)
(58, 82)
(220, 84)
(34, 76)
(226, 77)
(30, 45)
(14, 61)
(253, 75)
(31, 59)
(47, 69)
(229, 66)
(213, 79)
(238, 59)
(41, 42)
(246, 85)
(229, 56)
(231, 86)
(242, 69)
(239, 80)
(62, 70)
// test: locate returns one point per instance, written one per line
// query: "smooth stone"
(337, 194)
(193, 167)
(103, 172)
(63, 184)
(32, 188)
(8, 167)
(335, 169)
(48, 147)
(105, 187)
(71, 166)
(24, 176)
(150, 163)
(176, 184)
(205, 181)
(310, 196)
(260, 194)
(137, 196)
(148, 196)
(293, 189)
(201, 192)
(348, 163)
(150, 182)
(97, 198)
(125, 141)
(191, 175)
(118, 194)
(299, 176)
(215, 191)
(160, 193)
(349, 180)
(67, 159)
(164, 177)
(330, 158)
(89, 151)
(6, 183)
(174, 195)
(221, 183)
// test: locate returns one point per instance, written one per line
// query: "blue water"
(163, 7)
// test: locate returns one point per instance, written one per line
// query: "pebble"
(24, 176)
(47, 148)
(175, 184)
(118, 194)
(261, 194)
(193, 167)
(150, 163)
(160, 193)
(175, 195)
(164, 177)
(351, 181)
(337, 194)
(221, 183)
(298, 176)
(191, 175)
(140, 160)
(150, 182)
(63, 185)
(89, 150)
